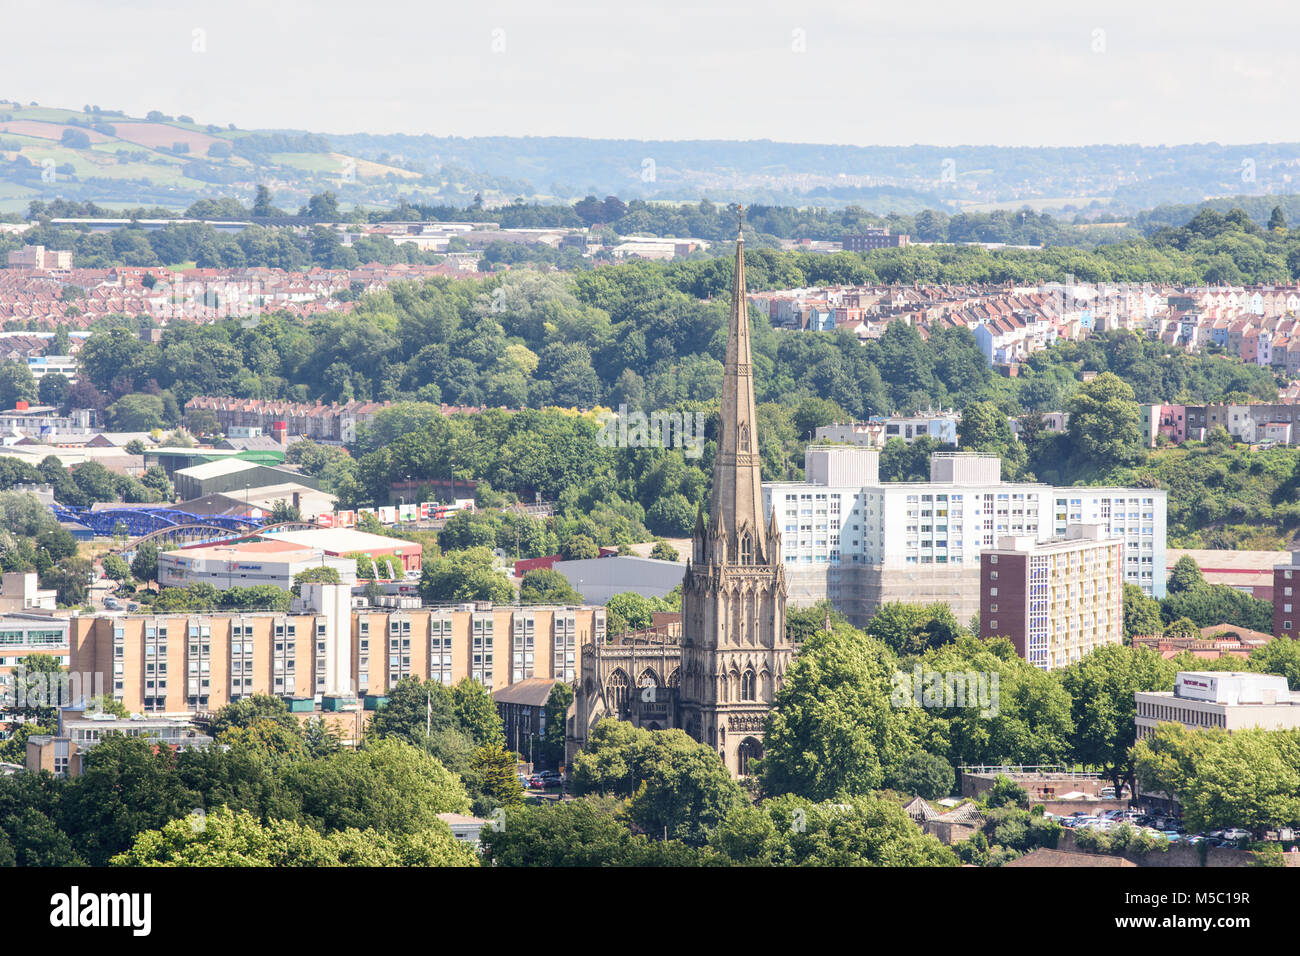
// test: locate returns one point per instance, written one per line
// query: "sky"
(1000, 72)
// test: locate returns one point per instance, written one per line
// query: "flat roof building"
(1057, 600)
(341, 541)
(247, 564)
(1228, 700)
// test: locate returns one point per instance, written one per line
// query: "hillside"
(117, 160)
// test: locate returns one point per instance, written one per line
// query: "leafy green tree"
(580, 548)
(1141, 613)
(17, 384)
(389, 786)
(126, 786)
(116, 568)
(663, 551)
(545, 586)
(1185, 575)
(925, 775)
(584, 832)
(497, 774)
(675, 785)
(1105, 426)
(415, 709)
(476, 713)
(847, 831)
(910, 629)
(1101, 686)
(144, 566)
(834, 729)
(249, 711)
(465, 576)
(1246, 779)
(321, 575)
(552, 750)
(228, 839)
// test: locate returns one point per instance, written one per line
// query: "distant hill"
(117, 160)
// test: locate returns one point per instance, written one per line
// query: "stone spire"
(736, 507)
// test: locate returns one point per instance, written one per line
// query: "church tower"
(734, 647)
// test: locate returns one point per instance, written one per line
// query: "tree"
(847, 831)
(249, 711)
(17, 384)
(320, 575)
(663, 551)
(465, 576)
(53, 389)
(676, 785)
(909, 629)
(126, 786)
(579, 547)
(388, 786)
(1185, 575)
(552, 749)
(497, 774)
(36, 689)
(415, 709)
(546, 586)
(1277, 220)
(834, 729)
(1141, 613)
(70, 579)
(1105, 426)
(476, 713)
(144, 566)
(1101, 687)
(1246, 779)
(925, 775)
(565, 833)
(227, 839)
(116, 568)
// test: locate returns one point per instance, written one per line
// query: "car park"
(1236, 833)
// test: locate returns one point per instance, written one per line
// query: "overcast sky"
(1004, 72)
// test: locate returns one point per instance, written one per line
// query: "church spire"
(736, 506)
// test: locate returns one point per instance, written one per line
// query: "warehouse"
(247, 564)
(346, 541)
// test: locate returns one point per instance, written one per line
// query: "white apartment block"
(859, 541)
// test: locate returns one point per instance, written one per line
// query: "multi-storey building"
(1286, 597)
(1228, 700)
(1056, 600)
(861, 542)
(187, 663)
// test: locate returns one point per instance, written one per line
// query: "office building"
(1228, 700)
(246, 564)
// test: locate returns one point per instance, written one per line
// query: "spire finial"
(740, 222)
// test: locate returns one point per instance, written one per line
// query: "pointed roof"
(736, 505)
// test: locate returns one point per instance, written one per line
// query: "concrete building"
(336, 542)
(1286, 580)
(599, 579)
(247, 564)
(874, 239)
(1228, 700)
(941, 426)
(79, 732)
(861, 542)
(40, 258)
(21, 591)
(522, 706)
(233, 476)
(1057, 600)
(186, 663)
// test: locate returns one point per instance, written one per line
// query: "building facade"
(1056, 600)
(1228, 700)
(860, 542)
(188, 663)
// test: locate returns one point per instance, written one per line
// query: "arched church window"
(746, 548)
(747, 686)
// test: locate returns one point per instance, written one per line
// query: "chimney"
(280, 432)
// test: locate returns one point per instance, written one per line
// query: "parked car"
(1172, 836)
(1236, 833)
